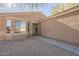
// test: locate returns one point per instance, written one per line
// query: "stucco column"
(39, 28)
(3, 24)
(12, 25)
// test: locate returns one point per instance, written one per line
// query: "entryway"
(35, 29)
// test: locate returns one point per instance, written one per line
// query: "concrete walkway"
(66, 46)
(35, 46)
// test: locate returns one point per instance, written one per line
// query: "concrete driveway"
(31, 47)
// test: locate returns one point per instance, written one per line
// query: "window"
(8, 24)
(23, 26)
(17, 25)
(20, 25)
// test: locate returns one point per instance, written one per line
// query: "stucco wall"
(13, 36)
(72, 21)
(65, 27)
(30, 17)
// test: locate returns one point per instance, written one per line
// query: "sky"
(46, 9)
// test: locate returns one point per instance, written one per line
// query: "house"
(63, 25)
(19, 25)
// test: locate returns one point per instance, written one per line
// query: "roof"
(25, 15)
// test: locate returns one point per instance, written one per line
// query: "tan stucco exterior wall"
(64, 27)
(12, 35)
(30, 17)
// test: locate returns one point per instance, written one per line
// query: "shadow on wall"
(55, 29)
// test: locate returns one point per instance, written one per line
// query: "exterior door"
(35, 29)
